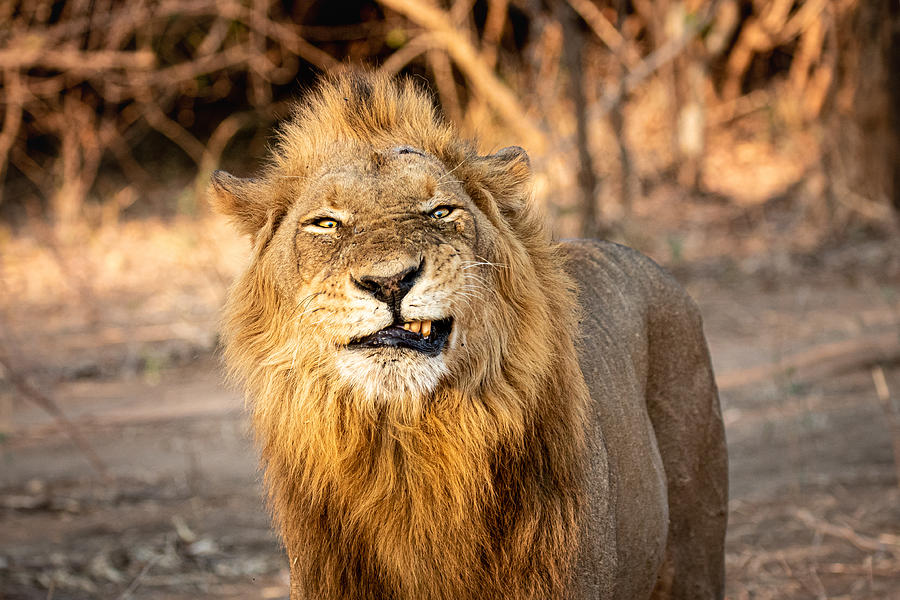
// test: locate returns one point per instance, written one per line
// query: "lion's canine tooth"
(415, 326)
(426, 328)
(406, 326)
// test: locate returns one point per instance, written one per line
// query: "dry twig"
(823, 360)
(126, 593)
(606, 32)
(891, 413)
(883, 543)
(30, 393)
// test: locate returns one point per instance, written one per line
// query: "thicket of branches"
(95, 93)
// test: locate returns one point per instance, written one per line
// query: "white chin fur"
(382, 374)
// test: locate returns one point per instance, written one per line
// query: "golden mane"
(361, 108)
(472, 492)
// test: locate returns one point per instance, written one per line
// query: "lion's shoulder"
(624, 299)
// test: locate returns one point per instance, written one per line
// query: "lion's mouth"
(427, 337)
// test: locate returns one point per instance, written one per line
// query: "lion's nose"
(391, 288)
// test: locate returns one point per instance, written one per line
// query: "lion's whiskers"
(448, 173)
(468, 264)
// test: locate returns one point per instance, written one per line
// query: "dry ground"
(121, 336)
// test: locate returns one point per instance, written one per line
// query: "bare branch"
(653, 62)
(12, 119)
(493, 30)
(74, 61)
(158, 120)
(443, 78)
(416, 46)
(606, 32)
(482, 78)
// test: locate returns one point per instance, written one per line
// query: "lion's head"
(404, 333)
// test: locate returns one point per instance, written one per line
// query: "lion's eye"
(441, 212)
(326, 223)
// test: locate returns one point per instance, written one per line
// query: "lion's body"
(654, 418)
(440, 414)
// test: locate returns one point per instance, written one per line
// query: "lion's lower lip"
(396, 336)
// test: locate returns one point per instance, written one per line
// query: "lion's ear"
(240, 199)
(508, 170)
(513, 163)
(506, 174)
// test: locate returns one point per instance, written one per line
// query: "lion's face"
(379, 262)
(391, 260)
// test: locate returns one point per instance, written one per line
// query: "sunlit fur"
(465, 485)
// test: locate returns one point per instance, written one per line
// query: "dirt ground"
(804, 354)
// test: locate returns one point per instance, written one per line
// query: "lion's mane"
(472, 492)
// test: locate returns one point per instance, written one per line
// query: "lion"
(448, 405)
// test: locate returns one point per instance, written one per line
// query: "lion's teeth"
(421, 327)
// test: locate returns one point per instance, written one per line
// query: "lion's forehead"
(364, 185)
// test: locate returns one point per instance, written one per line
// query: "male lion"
(450, 406)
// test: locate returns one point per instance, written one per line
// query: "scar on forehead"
(378, 158)
(409, 150)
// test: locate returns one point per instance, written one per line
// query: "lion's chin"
(388, 373)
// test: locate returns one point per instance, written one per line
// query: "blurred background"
(750, 146)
